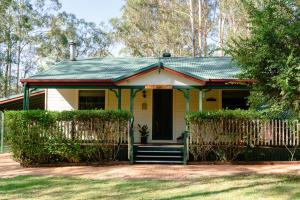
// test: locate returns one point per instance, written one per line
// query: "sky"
(97, 11)
(94, 10)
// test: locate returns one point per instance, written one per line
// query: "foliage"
(38, 136)
(241, 114)
(228, 134)
(182, 28)
(271, 53)
(230, 114)
(143, 130)
(35, 33)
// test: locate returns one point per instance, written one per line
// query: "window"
(91, 99)
(234, 99)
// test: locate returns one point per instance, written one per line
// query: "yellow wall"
(61, 99)
(212, 105)
(67, 99)
(145, 116)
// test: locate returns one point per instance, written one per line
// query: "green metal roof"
(109, 68)
(19, 95)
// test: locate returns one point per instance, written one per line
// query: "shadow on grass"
(238, 187)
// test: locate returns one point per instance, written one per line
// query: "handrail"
(185, 147)
(131, 141)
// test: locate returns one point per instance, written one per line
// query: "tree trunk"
(205, 48)
(205, 26)
(7, 78)
(191, 14)
(6, 74)
(221, 32)
(200, 34)
(18, 67)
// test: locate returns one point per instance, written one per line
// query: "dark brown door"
(162, 115)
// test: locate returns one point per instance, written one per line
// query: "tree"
(18, 19)
(35, 33)
(161, 28)
(271, 53)
(181, 27)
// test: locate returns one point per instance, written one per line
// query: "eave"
(20, 97)
(231, 80)
(67, 82)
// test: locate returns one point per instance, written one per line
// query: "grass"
(231, 187)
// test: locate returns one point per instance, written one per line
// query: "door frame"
(171, 117)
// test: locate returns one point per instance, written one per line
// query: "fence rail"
(93, 130)
(242, 132)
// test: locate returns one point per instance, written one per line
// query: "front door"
(162, 115)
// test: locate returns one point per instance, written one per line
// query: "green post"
(131, 127)
(133, 93)
(186, 94)
(185, 147)
(2, 132)
(200, 101)
(26, 97)
(187, 100)
(119, 99)
(186, 138)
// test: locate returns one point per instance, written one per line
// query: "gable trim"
(153, 68)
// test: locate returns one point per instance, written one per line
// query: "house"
(158, 91)
(15, 102)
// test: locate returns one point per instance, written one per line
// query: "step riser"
(158, 154)
(159, 148)
(160, 159)
(159, 162)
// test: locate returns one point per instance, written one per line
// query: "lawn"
(233, 187)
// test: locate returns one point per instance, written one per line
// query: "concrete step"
(158, 154)
(158, 162)
(158, 151)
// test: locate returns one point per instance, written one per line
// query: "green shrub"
(229, 133)
(232, 114)
(38, 136)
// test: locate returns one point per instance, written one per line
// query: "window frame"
(105, 97)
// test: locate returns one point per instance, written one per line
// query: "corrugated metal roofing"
(20, 95)
(109, 68)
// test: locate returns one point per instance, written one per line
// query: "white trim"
(173, 140)
(105, 97)
(160, 77)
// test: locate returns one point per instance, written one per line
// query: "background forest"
(36, 33)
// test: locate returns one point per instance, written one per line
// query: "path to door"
(10, 168)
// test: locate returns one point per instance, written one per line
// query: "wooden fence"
(93, 130)
(276, 133)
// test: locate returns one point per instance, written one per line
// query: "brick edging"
(245, 163)
(93, 164)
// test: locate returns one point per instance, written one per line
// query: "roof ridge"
(111, 57)
(141, 57)
(196, 57)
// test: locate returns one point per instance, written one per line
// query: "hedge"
(229, 133)
(235, 114)
(38, 136)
